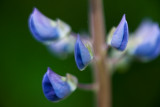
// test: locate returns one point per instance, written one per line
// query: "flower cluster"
(144, 45)
(58, 37)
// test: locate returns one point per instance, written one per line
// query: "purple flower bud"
(146, 41)
(83, 54)
(120, 36)
(45, 29)
(62, 48)
(56, 87)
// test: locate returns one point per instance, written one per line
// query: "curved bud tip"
(44, 29)
(120, 36)
(56, 87)
(83, 54)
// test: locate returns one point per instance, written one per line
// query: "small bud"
(82, 53)
(120, 36)
(145, 43)
(56, 87)
(45, 29)
(62, 48)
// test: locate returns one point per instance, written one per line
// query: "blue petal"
(45, 29)
(42, 28)
(82, 55)
(54, 87)
(48, 89)
(149, 48)
(156, 50)
(120, 36)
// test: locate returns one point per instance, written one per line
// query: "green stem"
(102, 75)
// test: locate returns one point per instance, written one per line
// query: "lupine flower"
(63, 47)
(120, 35)
(56, 87)
(45, 29)
(83, 54)
(145, 43)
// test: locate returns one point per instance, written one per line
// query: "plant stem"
(102, 75)
(89, 87)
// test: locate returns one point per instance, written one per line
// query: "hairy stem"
(102, 75)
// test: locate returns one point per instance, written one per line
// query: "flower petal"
(56, 87)
(148, 46)
(120, 36)
(45, 29)
(83, 55)
(48, 90)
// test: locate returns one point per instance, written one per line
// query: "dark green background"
(24, 60)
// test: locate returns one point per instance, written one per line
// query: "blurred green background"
(24, 60)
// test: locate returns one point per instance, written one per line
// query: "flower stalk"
(102, 75)
(87, 87)
(58, 37)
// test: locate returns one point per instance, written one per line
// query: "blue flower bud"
(56, 87)
(145, 44)
(62, 48)
(83, 54)
(45, 29)
(120, 36)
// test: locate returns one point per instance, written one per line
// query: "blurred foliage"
(24, 61)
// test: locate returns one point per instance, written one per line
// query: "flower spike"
(56, 87)
(120, 36)
(45, 29)
(145, 44)
(83, 54)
